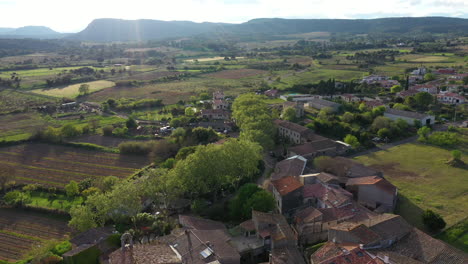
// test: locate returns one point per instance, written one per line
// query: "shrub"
(70, 131)
(107, 130)
(433, 221)
(456, 154)
(72, 189)
(443, 139)
(135, 147)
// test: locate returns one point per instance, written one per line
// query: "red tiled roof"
(332, 196)
(379, 182)
(342, 254)
(286, 185)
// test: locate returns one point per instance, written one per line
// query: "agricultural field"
(315, 75)
(424, 181)
(56, 166)
(236, 74)
(20, 126)
(20, 231)
(172, 92)
(148, 75)
(14, 101)
(105, 141)
(72, 91)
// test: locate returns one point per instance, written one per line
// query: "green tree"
(214, 167)
(17, 198)
(429, 77)
(362, 107)
(72, 189)
(396, 88)
(424, 99)
(423, 133)
(384, 133)
(184, 152)
(381, 122)
(262, 201)
(289, 113)
(70, 131)
(84, 89)
(433, 221)
(189, 112)
(249, 197)
(326, 113)
(201, 135)
(254, 119)
(352, 140)
(82, 218)
(399, 106)
(347, 117)
(131, 123)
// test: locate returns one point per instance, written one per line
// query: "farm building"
(320, 103)
(409, 117)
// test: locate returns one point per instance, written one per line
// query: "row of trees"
(254, 119)
(200, 172)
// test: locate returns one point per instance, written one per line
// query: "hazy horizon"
(70, 17)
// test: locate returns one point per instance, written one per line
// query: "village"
(321, 196)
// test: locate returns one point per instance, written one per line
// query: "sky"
(74, 16)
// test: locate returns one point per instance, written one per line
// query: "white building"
(409, 117)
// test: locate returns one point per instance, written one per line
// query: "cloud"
(69, 16)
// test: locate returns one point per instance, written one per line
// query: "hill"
(39, 32)
(103, 30)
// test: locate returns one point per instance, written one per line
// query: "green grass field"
(59, 201)
(317, 74)
(424, 181)
(72, 91)
(457, 235)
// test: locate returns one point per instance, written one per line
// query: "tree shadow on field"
(410, 212)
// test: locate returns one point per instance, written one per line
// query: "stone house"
(374, 192)
(288, 194)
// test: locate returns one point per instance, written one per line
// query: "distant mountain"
(389, 25)
(5, 30)
(104, 30)
(39, 32)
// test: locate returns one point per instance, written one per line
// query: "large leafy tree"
(254, 119)
(213, 168)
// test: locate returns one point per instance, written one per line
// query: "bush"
(456, 154)
(136, 147)
(199, 206)
(62, 248)
(443, 139)
(433, 221)
(70, 131)
(107, 131)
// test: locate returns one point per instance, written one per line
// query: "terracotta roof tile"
(379, 182)
(286, 185)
